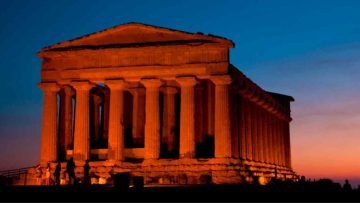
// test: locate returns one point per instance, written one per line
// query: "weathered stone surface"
(161, 109)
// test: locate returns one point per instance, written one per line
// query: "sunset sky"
(307, 49)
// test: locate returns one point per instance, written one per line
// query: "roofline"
(282, 95)
(230, 42)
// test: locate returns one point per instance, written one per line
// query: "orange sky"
(325, 131)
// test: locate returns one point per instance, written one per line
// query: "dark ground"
(274, 192)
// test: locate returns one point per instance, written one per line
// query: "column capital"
(186, 81)
(115, 84)
(82, 85)
(170, 90)
(221, 79)
(49, 86)
(151, 82)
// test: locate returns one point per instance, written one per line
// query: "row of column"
(262, 136)
(152, 119)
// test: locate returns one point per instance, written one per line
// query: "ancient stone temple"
(162, 104)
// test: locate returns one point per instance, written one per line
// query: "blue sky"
(307, 49)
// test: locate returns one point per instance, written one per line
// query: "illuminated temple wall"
(162, 104)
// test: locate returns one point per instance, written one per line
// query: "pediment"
(136, 34)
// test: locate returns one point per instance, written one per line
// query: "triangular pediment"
(136, 33)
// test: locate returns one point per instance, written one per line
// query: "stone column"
(138, 115)
(266, 136)
(249, 140)
(234, 112)
(222, 117)
(278, 141)
(82, 122)
(288, 144)
(210, 108)
(259, 134)
(152, 118)
(169, 119)
(116, 125)
(254, 131)
(48, 150)
(285, 143)
(282, 151)
(270, 138)
(263, 135)
(274, 137)
(187, 117)
(65, 123)
(242, 124)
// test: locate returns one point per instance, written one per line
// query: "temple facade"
(163, 104)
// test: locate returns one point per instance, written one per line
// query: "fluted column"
(116, 126)
(288, 143)
(249, 140)
(275, 141)
(169, 119)
(254, 131)
(48, 151)
(270, 138)
(152, 118)
(278, 143)
(285, 144)
(138, 115)
(222, 117)
(82, 122)
(265, 136)
(65, 123)
(242, 124)
(259, 134)
(273, 138)
(235, 112)
(282, 151)
(210, 108)
(187, 117)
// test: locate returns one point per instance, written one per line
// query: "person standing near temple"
(47, 175)
(86, 173)
(347, 187)
(70, 170)
(39, 175)
(57, 173)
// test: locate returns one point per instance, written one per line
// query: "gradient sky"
(307, 49)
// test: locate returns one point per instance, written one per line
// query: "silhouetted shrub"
(121, 180)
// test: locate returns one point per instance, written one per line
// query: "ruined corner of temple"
(160, 104)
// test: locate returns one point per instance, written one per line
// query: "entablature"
(137, 56)
(248, 89)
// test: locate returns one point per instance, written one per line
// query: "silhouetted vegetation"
(276, 190)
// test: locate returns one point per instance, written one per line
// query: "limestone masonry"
(163, 104)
